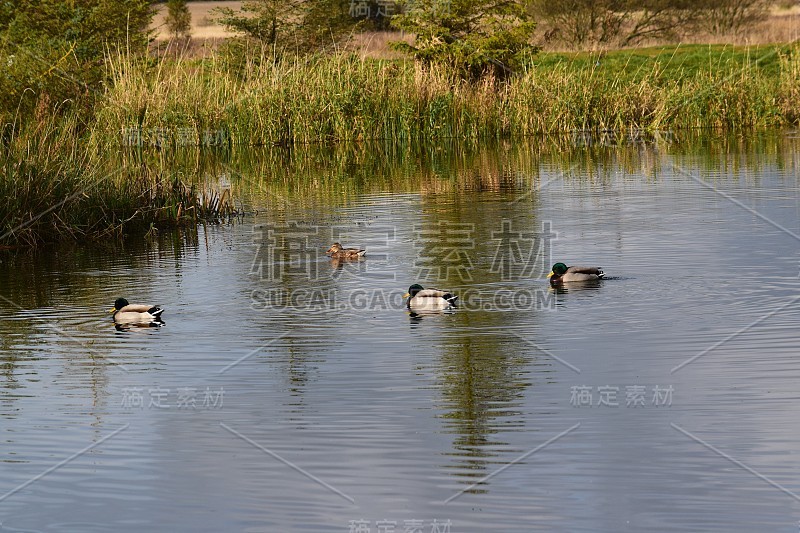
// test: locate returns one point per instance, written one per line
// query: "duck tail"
(155, 311)
(451, 299)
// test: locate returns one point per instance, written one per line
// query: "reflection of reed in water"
(207, 204)
(328, 176)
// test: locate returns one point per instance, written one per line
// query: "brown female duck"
(337, 251)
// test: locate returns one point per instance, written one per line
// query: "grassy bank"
(60, 180)
(343, 97)
(54, 189)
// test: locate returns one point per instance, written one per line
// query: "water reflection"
(416, 317)
(133, 326)
(576, 286)
(482, 383)
(323, 364)
(338, 263)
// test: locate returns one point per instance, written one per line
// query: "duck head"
(558, 270)
(119, 304)
(413, 290)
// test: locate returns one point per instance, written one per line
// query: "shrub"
(290, 24)
(179, 20)
(53, 51)
(477, 38)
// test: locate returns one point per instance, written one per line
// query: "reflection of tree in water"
(481, 370)
(483, 382)
(336, 174)
(290, 278)
(299, 365)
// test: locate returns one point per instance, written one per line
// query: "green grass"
(56, 162)
(344, 98)
(674, 62)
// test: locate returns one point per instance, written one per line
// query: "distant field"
(782, 26)
(202, 26)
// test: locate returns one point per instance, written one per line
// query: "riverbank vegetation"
(54, 188)
(334, 98)
(83, 110)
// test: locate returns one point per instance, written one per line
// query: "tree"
(179, 19)
(656, 19)
(55, 51)
(290, 24)
(376, 14)
(477, 38)
(627, 22)
(726, 16)
(614, 22)
(263, 20)
(328, 22)
(88, 25)
(580, 22)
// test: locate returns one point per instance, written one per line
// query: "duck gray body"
(563, 273)
(127, 313)
(421, 299)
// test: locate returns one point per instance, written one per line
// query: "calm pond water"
(290, 393)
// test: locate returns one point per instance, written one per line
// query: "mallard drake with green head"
(422, 299)
(337, 251)
(563, 273)
(127, 313)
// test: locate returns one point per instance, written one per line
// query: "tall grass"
(263, 102)
(53, 188)
(344, 97)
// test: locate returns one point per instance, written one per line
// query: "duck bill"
(406, 295)
(113, 309)
(551, 274)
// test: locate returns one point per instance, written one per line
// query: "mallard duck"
(126, 313)
(422, 299)
(562, 272)
(337, 251)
